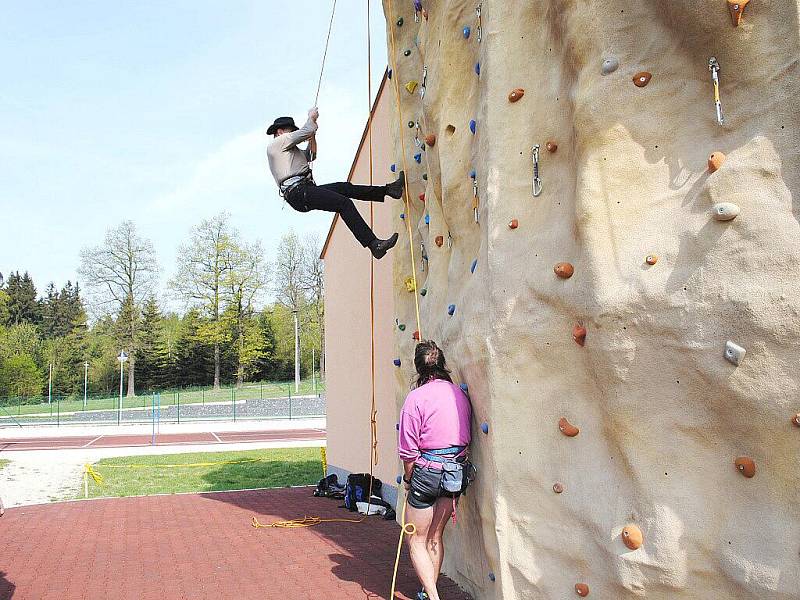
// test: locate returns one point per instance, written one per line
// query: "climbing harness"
(480, 25)
(537, 181)
(713, 66)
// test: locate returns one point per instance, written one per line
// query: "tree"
(22, 305)
(312, 279)
(203, 269)
(153, 354)
(20, 377)
(194, 357)
(121, 273)
(289, 289)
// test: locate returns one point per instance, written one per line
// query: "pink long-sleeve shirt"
(434, 416)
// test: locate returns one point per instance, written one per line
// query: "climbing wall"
(612, 264)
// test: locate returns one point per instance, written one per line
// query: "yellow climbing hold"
(410, 284)
(411, 86)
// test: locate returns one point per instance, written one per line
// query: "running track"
(163, 439)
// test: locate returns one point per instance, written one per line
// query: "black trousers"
(336, 197)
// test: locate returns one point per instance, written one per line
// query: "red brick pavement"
(197, 547)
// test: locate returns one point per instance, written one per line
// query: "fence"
(263, 400)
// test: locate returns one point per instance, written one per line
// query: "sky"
(156, 111)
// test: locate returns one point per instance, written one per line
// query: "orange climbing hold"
(564, 270)
(558, 487)
(579, 334)
(737, 10)
(567, 428)
(746, 466)
(439, 240)
(513, 224)
(551, 146)
(516, 94)
(632, 537)
(796, 420)
(582, 589)
(425, 13)
(415, 335)
(651, 259)
(642, 79)
(715, 161)
(430, 139)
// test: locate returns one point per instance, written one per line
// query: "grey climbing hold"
(491, 576)
(725, 211)
(451, 309)
(423, 291)
(734, 353)
(610, 65)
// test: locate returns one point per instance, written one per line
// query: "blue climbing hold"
(397, 362)
(464, 388)
(474, 264)
(393, 168)
(485, 427)
(389, 73)
(451, 309)
(418, 157)
(402, 215)
(399, 480)
(472, 125)
(477, 69)
(491, 576)
(427, 219)
(417, 5)
(473, 174)
(466, 32)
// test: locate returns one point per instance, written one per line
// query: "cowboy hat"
(282, 123)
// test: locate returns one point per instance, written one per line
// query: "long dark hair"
(430, 363)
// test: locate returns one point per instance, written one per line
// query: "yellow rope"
(325, 53)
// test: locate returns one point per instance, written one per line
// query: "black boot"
(380, 247)
(395, 189)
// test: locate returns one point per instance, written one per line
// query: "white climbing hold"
(734, 353)
(725, 211)
(610, 65)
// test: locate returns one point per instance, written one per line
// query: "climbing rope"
(325, 53)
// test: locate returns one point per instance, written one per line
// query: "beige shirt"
(285, 158)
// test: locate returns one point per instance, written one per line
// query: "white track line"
(216, 437)
(92, 442)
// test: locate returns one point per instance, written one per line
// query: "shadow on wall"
(6, 587)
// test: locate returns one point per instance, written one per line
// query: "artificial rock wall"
(632, 354)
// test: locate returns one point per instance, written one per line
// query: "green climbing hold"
(400, 22)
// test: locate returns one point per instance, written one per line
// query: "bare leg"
(441, 514)
(2, 508)
(418, 548)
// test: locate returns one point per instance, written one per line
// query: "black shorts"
(426, 487)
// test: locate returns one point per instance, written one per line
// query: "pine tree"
(152, 355)
(194, 355)
(22, 305)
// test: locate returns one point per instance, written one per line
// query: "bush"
(19, 376)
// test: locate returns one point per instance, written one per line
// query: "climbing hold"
(477, 68)
(407, 52)
(423, 291)
(403, 216)
(746, 466)
(439, 240)
(642, 79)
(401, 326)
(411, 86)
(425, 13)
(393, 168)
(564, 270)
(651, 259)
(410, 283)
(472, 125)
(513, 224)
(579, 334)
(551, 146)
(582, 589)
(632, 537)
(397, 426)
(715, 161)
(485, 428)
(609, 65)
(473, 174)
(737, 10)
(516, 94)
(474, 264)
(464, 387)
(567, 428)
(418, 157)
(491, 576)
(411, 124)
(389, 73)
(430, 139)
(424, 177)
(734, 353)
(796, 420)
(400, 22)
(725, 211)
(451, 309)
(422, 197)
(466, 31)
(558, 487)
(415, 336)
(427, 219)
(397, 362)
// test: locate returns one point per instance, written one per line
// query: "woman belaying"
(290, 168)
(433, 441)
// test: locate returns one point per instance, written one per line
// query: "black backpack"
(328, 487)
(358, 488)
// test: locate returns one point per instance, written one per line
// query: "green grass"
(277, 468)
(3, 463)
(250, 391)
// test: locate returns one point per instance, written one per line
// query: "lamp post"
(50, 385)
(85, 382)
(121, 358)
(296, 353)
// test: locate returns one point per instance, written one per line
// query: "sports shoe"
(395, 189)
(380, 247)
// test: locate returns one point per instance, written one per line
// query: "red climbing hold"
(551, 146)
(516, 94)
(558, 487)
(582, 589)
(579, 334)
(425, 13)
(439, 240)
(430, 139)
(567, 428)
(715, 161)
(632, 537)
(642, 79)
(415, 335)
(513, 224)
(746, 466)
(422, 197)
(737, 10)
(796, 420)
(564, 270)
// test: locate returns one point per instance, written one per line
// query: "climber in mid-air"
(292, 172)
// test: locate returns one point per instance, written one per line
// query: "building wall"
(347, 326)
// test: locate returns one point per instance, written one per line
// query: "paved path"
(198, 547)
